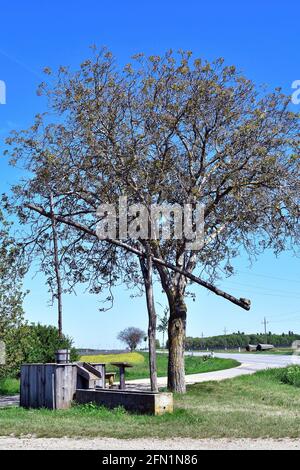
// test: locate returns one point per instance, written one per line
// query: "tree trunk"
(56, 267)
(152, 354)
(176, 339)
(147, 269)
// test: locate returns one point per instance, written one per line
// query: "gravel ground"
(31, 443)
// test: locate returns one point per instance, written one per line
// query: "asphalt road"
(267, 360)
(249, 364)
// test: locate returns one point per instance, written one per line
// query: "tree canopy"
(132, 337)
(163, 130)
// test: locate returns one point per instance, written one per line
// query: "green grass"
(140, 369)
(255, 406)
(9, 386)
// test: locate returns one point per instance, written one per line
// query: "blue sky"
(261, 38)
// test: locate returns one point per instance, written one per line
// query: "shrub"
(45, 342)
(33, 343)
(9, 386)
(291, 376)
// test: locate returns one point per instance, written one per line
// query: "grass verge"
(254, 406)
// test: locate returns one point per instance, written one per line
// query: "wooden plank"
(49, 379)
(33, 386)
(101, 368)
(92, 369)
(122, 377)
(58, 387)
(86, 374)
(24, 386)
(73, 375)
(65, 385)
(74, 382)
(41, 386)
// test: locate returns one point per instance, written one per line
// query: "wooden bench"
(110, 376)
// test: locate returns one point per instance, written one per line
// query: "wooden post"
(56, 267)
(122, 377)
(147, 270)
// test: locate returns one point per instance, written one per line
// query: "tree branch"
(243, 303)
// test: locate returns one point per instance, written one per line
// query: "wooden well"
(48, 385)
(54, 386)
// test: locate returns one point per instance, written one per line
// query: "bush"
(9, 386)
(45, 343)
(33, 343)
(291, 376)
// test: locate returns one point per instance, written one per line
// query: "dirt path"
(28, 443)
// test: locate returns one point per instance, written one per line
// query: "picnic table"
(122, 366)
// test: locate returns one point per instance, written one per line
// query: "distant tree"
(163, 324)
(237, 340)
(132, 337)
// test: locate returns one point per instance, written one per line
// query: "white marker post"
(2, 92)
(2, 353)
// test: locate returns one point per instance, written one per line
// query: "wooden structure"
(48, 385)
(122, 366)
(101, 368)
(54, 385)
(110, 377)
(132, 400)
(62, 356)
